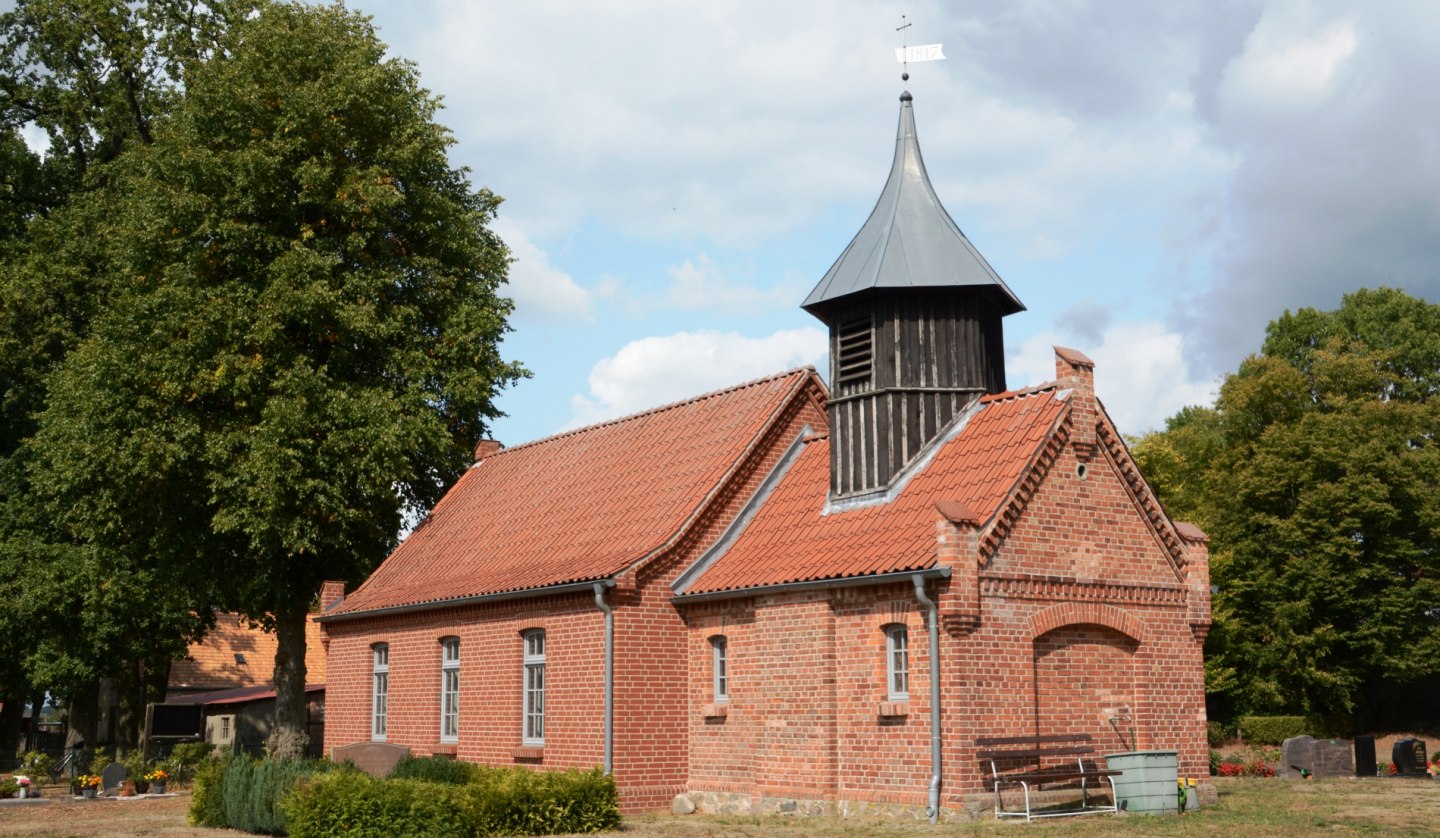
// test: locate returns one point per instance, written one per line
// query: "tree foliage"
(298, 341)
(1316, 476)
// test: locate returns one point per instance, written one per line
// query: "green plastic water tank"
(1147, 782)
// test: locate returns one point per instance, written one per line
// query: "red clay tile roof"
(580, 506)
(215, 662)
(789, 540)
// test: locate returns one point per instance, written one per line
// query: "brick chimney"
(331, 595)
(486, 448)
(1076, 373)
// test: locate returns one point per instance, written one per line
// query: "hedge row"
(422, 797)
(494, 801)
(1273, 730)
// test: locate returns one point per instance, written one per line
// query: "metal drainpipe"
(609, 674)
(932, 625)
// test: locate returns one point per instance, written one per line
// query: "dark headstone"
(1409, 757)
(112, 777)
(1365, 756)
(1297, 757)
(374, 758)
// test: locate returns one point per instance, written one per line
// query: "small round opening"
(1082, 471)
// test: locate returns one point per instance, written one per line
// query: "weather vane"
(906, 53)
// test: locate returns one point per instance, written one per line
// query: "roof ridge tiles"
(1007, 395)
(807, 368)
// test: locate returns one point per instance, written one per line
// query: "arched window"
(379, 689)
(720, 667)
(533, 711)
(450, 689)
(897, 662)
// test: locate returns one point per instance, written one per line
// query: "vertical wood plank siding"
(933, 352)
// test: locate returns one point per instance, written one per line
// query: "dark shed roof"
(909, 241)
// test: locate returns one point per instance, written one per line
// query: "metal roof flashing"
(909, 240)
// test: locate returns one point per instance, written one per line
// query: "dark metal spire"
(909, 241)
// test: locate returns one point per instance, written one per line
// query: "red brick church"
(788, 596)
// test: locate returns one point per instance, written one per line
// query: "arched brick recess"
(1070, 613)
(1085, 675)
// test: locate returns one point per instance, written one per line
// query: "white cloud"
(699, 283)
(1288, 61)
(653, 371)
(540, 290)
(1142, 374)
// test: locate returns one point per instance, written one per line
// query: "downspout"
(609, 674)
(932, 625)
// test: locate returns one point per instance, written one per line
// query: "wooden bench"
(1028, 762)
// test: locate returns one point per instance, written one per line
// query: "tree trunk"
(154, 682)
(10, 717)
(82, 713)
(289, 737)
(131, 708)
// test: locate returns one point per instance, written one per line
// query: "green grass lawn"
(1247, 807)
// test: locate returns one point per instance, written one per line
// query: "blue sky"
(1156, 181)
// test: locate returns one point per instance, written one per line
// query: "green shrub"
(9, 787)
(1215, 760)
(352, 803)
(185, 759)
(207, 806)
(253, 790)
(432, 769)
(1215, 734)
(506, 801)
(36, 766)
(1273, 730)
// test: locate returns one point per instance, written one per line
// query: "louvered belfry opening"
(915, 317)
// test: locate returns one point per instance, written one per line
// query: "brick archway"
(1073, 613)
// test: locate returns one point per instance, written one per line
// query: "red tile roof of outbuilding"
(789, 539)
(580, 506)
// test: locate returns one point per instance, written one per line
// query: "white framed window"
(720, 667)
(450, 689)
(897, 662)
(379, 690)
(534, 688)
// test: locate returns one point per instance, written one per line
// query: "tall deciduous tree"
(1317, 476)
(302, 341)
(93, 76)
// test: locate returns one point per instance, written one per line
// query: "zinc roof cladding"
(909, 240)
(788, 540)
(580, 506)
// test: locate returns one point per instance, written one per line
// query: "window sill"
(444, 749)
(529, 753)
(893, 709)
(718, 710)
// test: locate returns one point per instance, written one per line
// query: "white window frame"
(379, 690)
(532, 689)
(720, 668)
(450, 689)
(897, 662)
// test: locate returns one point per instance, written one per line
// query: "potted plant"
(89, 784)
(157, 780)
(27, 788)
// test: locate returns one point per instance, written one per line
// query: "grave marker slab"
(112, 777)
(374, 758)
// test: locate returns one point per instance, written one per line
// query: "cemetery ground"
(1247, 806)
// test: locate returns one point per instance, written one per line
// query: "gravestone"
(1302, 756)
(112, 777)
(1297, 756)
(1365, 756)
(1332, 758)
(1409, 757)
(374, 758)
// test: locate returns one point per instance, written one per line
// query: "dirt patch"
(58, 814)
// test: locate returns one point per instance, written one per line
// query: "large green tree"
(301, 341)
(1316, 475)
(93, 76)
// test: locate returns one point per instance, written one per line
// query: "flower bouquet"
(89, 784)
(157, 779)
